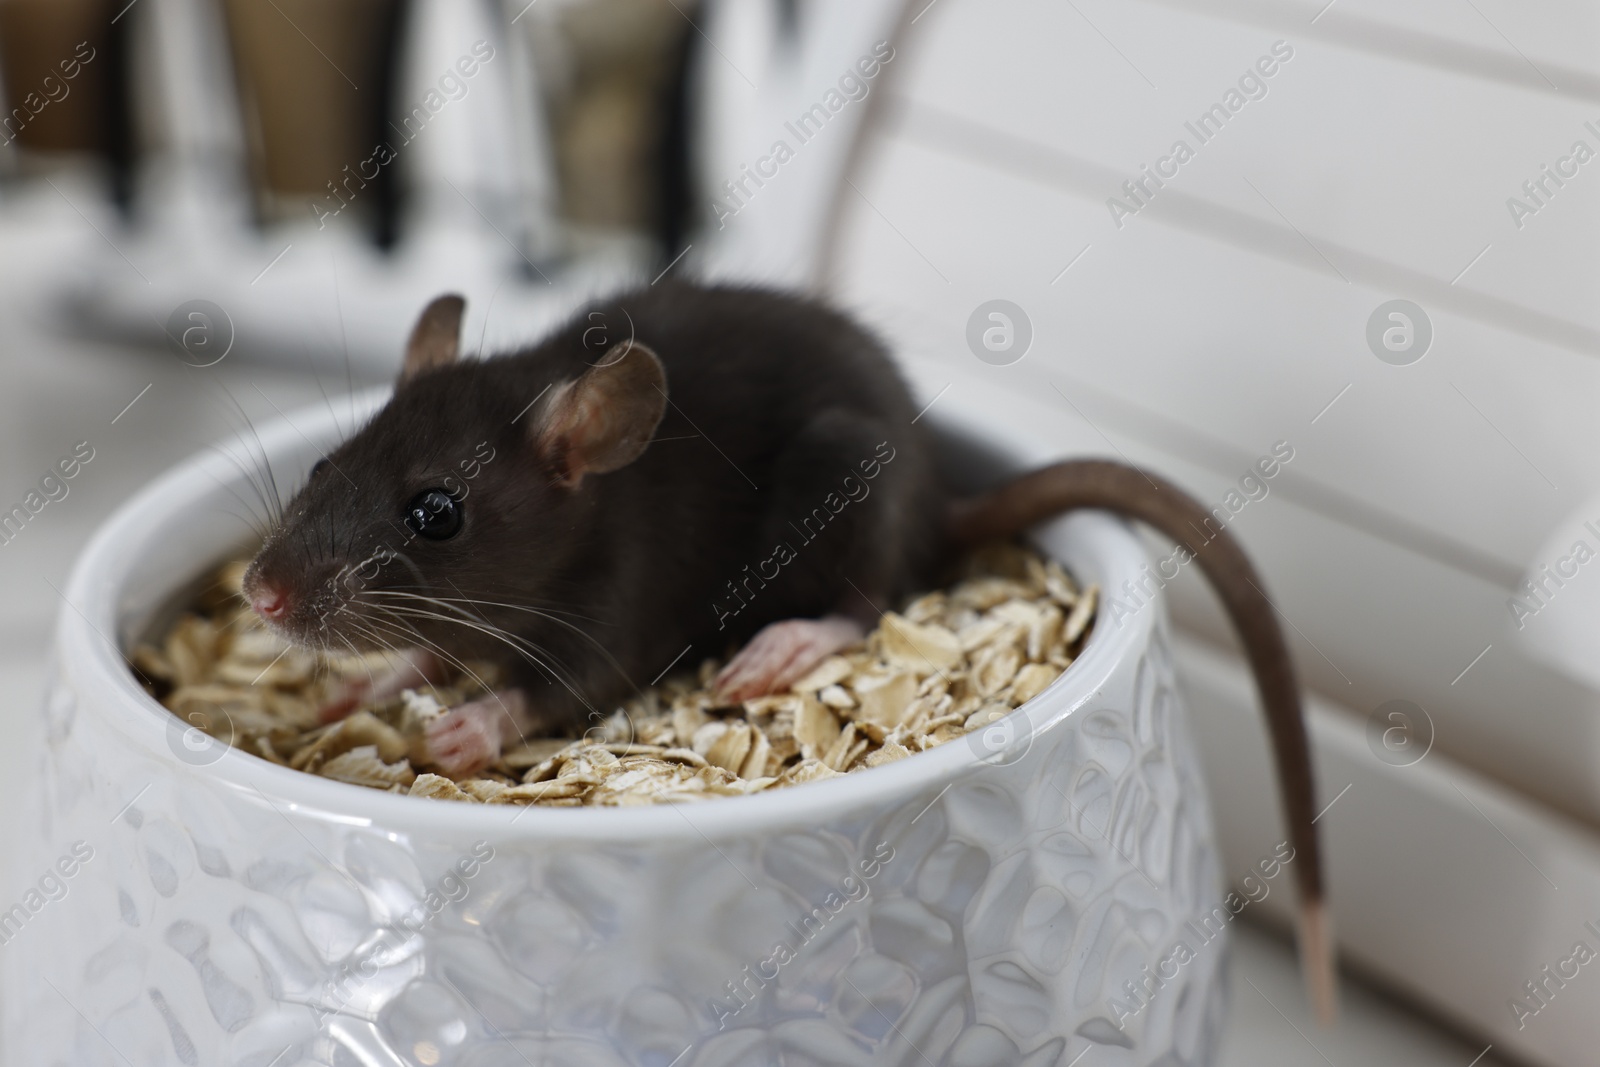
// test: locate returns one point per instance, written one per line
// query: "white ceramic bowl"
(981, 904)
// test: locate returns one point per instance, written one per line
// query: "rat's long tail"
(1128, 491)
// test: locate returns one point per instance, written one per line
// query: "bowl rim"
(95, 668)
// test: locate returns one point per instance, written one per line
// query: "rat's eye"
(434, 514)
(318, 467)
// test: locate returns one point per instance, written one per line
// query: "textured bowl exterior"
(983, 904)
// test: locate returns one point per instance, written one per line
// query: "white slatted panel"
(1223, 317)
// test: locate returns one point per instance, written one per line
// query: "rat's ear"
(435, 339)
(605, 419)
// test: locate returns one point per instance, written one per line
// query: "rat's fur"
(752, 503)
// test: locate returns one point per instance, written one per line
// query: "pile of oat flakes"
(952, 661)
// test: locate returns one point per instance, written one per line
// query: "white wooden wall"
(1229, 314)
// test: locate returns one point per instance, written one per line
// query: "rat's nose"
(269, 601)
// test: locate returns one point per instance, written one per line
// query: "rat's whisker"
(533, 607)
(424, 599)
(529, 651)
(376, 639)
(448, 604)
(260, 459)
(248, 518)
(489, 629)
(260, 522)
(453, 661)
(552, 606)
(464, 669)
(372, 679)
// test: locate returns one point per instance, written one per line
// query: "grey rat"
(678, 471)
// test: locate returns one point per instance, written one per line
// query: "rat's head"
(468, 490)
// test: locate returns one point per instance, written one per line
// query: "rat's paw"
(782, 653)
(415, 668)
(466, 738)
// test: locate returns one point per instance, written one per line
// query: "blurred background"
(1379, 248)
